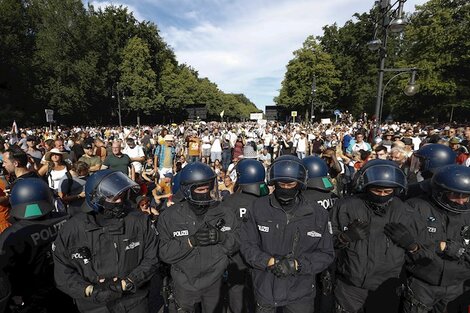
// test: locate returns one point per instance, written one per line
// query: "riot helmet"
(251, 177)
(289, 176)
(433, 156)
(31, 198)
(198, 183)
(380, 180)
(451, 188)
(106, 192)
(317, 173)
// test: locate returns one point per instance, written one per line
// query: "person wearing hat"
(54, 169)
(164, 155)
(387, 140)
(461, 151)
(25, 249)
(93, 161)
(33, 151)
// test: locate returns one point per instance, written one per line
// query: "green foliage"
(138, 77)
(59, 55)
(309, 61)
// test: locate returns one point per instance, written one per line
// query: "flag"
(14, 128)
(222, 113)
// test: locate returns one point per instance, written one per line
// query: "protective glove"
(283, 267)
(357, 230)
(216, 236)
(102, 292)
(454, 250)
(399, 235)
(200, 238)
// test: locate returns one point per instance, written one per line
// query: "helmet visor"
(287, 171)
(202, 193)
(113, 186)
(385, 176)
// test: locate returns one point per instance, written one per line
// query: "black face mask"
(114, 210)
(380, 200)
(285, 197)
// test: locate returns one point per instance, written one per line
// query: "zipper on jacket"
(117, 253)
(388, 245)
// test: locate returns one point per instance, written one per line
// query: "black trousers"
(306, 306)
(421, 297)
(349, 297)
(240, 290)
(209, 298)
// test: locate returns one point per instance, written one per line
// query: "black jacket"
(125, 248)
(436, 225)
(326, 199)
(25, 254)
(239, 203)
(198, 267)
(271, 232)
(369, 262)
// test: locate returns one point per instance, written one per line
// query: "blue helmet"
(251, 177)
(287, 170)
(317, 173)
(196, 175)
(380, 173)
(455, 179)
(250, 171)
(434, 156)
(107, 184)
(31, 198)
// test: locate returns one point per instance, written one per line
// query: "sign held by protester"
(49, 115)
(256, 116)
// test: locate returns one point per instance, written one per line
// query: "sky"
(243, 45)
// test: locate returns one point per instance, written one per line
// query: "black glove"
(400, 235)
(216, 236)
(357, 230)
(283, 267)
(102, 292)
(200, 238)
(454, 250)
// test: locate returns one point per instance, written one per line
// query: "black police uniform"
(271, 232)
(86, 252)
(363, 265)
(434, 276)
(26, 259)
(240, 285)
(324, 300)
(196, 271)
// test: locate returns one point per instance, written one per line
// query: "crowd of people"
(239, 217)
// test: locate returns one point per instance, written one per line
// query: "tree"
(437, 43)
(308, 61)
(138, 78)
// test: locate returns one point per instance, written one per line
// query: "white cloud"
(244, 45)
(131, 8)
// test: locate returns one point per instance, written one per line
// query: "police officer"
(25, 248)
(430, 158)
(197, 236)
(320, 192)
(367, 257)
(319, 184)
(250, 186)
(105, 258)
(437, 278)
(286, 241)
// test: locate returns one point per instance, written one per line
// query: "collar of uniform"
(300, 210)
(116, 228)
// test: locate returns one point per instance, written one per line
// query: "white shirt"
(136, 152)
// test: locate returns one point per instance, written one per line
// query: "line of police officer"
(270, 249)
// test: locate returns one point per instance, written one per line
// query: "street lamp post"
(392, 20)
(312, 97)
(410, 90)
(118, 94)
